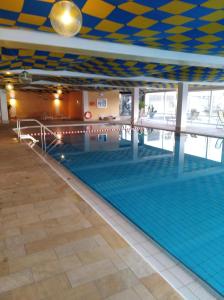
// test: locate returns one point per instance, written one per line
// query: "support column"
(4, 108)
(181, 117)
(135, 106)
(85, 102)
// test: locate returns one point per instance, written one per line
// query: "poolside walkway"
(54, 246)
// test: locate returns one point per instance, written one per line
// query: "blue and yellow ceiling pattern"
(182, 25)
(34, 59)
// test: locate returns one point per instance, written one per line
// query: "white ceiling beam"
(29, 39)
(87, 75)
(49, 83)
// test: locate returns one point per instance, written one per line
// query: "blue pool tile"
(178, 204)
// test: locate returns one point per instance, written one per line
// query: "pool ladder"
(43, 129)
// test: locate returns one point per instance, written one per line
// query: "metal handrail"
(43, 129)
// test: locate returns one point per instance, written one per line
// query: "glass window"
(199, 106)
(164, 103)
(155, 100)
(203, 106)
(170, 103)
(217, 105)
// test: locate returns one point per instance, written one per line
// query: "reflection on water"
(196, 145)
(140, 148)
(170, 186)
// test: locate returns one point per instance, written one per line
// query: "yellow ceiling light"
(9, 86)
(66, 18)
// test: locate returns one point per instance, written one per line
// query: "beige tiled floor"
(54, 246)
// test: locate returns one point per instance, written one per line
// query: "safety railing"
(43, 130)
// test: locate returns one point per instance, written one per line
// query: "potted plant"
(151, 111)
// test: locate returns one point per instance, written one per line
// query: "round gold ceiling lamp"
(66, 18)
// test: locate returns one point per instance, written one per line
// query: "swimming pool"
(170, 186)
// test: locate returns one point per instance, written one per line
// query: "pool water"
(170, 186)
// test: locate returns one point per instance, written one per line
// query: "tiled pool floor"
(54, 246)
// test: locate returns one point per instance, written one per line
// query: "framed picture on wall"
(101, 103)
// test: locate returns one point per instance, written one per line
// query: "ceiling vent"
(25, 77)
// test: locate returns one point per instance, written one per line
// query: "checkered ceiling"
(189, 25)
(183, 25)
(31, 59)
